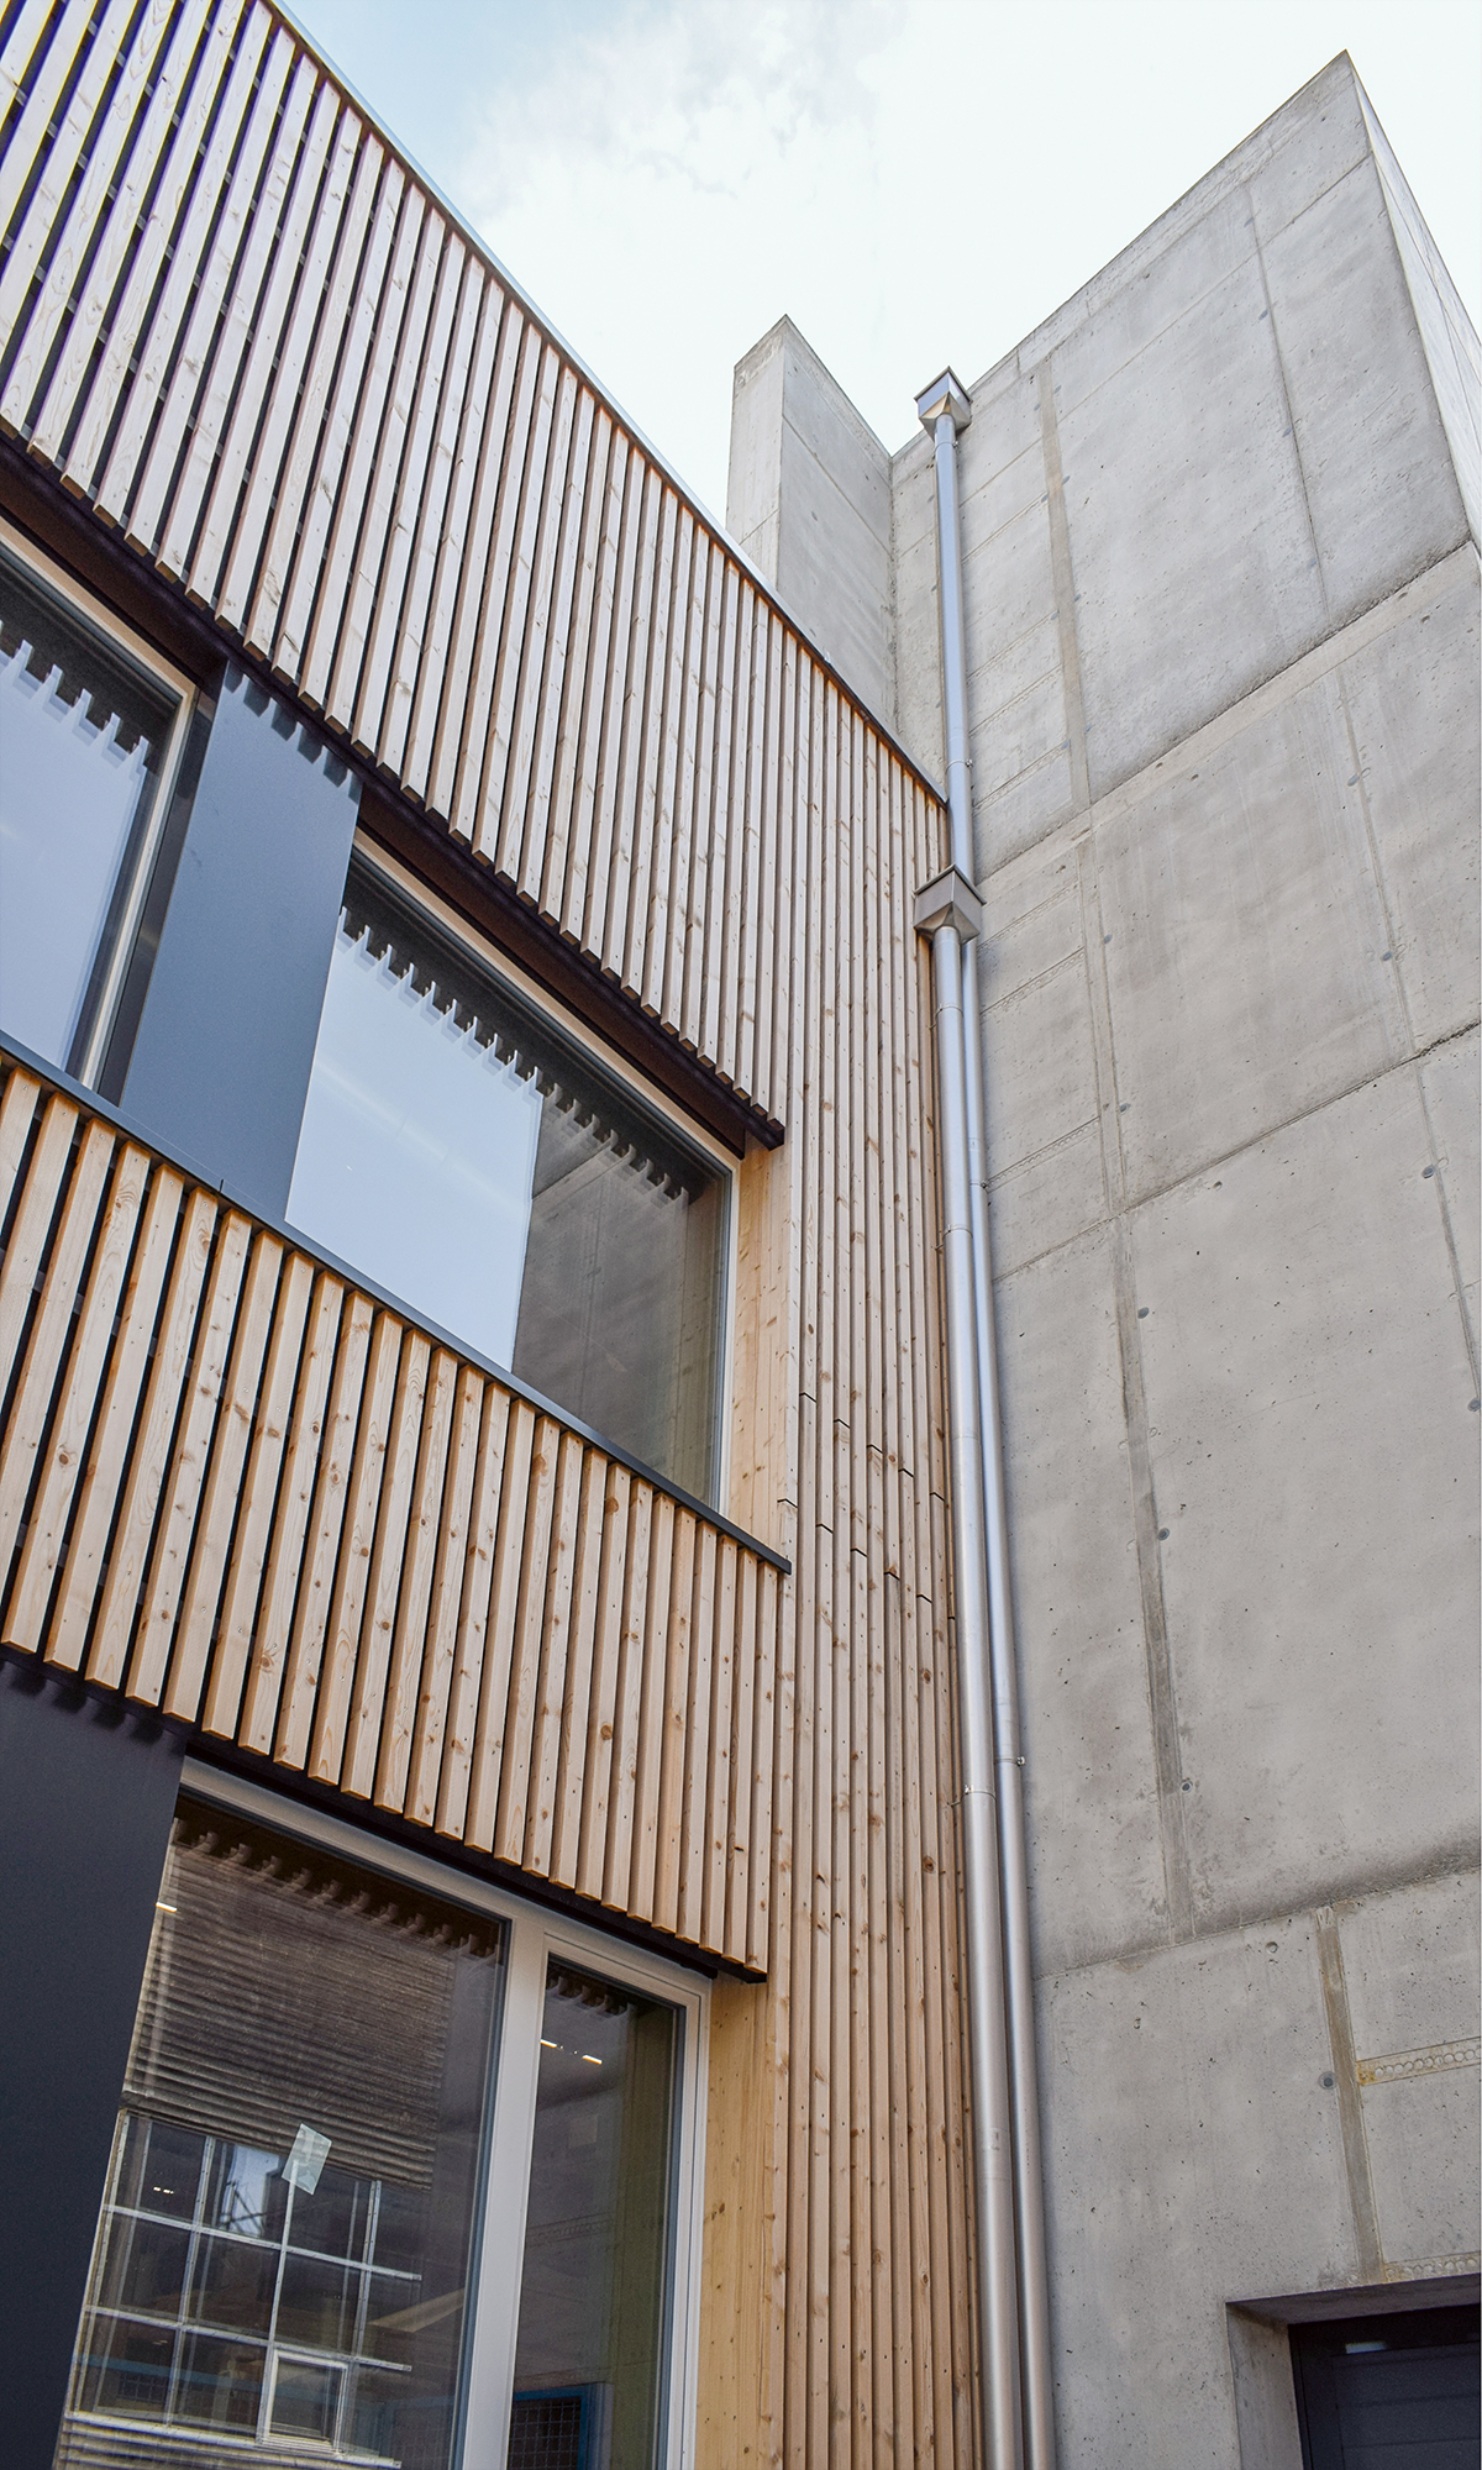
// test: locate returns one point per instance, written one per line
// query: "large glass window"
(588, 2369)
(464, 1156)
(85, 735)
(400, 2181)
(285, 2252)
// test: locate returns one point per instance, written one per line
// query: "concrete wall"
(809, 500)
(1222, 620)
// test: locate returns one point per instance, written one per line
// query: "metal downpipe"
(998, 2322)
(945, 409)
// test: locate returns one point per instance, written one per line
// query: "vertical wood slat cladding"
(312, 400)
(244, 1494)
(236, 326)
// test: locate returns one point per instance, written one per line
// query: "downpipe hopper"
(949, 900)
(946, 398)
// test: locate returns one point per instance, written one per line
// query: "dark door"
(1389, 2392)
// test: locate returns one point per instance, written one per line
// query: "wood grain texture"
(233, 321)
(313, 400)
(251, 1497)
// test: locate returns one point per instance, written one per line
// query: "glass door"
(406, 2173)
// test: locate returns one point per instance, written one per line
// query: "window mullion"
(500, 2262)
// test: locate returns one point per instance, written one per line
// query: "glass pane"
(588, 2369)
(82, 738)
(285, 2250)
(461, 1155)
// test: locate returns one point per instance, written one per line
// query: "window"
(466, 1157)
(395, 2172)
(88, 736)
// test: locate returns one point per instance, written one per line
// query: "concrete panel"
(1004, 428)
(1424, 2137)
(1410, 1962)
(753, 483)
(1195, 571)
(834, 573)
(913, 493)
(1447, 333)
(1244, 959)
(1010, 671)
(1097, 1875)
(1134, 306)
(808, 497)
(918, 654)
(1040, 1065)
(1313, 1459)
(1046, 1198)
(1004, 495)
(1309, 145)
(1009, 581)
(1194, 2156)
(1011, 820)
(1449, 1078)
(1376, 467)
(1412, 698)
(837, 436)
(1019, 734)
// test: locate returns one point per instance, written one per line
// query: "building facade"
(1219, 540)
(485, 1933)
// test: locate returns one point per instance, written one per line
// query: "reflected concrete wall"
(1222, 602)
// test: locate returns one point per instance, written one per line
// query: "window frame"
(535, 1934)
(96, 615)
(526, 990)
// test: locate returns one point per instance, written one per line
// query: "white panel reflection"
(417, 1156)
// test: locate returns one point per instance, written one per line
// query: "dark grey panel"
(87, 1791)
(1391, 2392)
(221, 1061)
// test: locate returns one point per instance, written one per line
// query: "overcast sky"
(912, 181)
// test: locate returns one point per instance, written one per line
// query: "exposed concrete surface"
(808, 499)
(1222, 601)
(1313, 1465)
(1194, 2154)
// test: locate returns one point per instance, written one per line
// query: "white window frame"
(103, 621)
(534, 1935)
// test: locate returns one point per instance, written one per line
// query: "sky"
(911, 181)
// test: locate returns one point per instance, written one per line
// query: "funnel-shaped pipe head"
(946, 394)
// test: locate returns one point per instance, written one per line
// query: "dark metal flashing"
(65, 528)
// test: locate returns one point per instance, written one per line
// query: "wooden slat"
(455, 1548)
(223, 1495)
(236, 1628)
(326, 1526)
(72, 1418)
(419, 1563)
(30, 1408)
(107, 1460)
(464, 1696)
(337, 1680)
(190, 1460)
(274, 1630)
(107, 217)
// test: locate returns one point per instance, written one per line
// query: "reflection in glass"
(82, 740)
(461, 1155)
(588, 2369)
(285, 2250)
